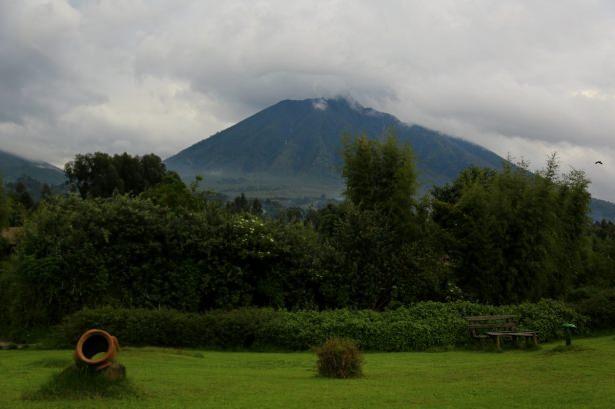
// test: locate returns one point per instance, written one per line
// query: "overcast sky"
(519, 77)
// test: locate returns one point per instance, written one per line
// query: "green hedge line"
(422, 326)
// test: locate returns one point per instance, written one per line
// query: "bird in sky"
(598, 162)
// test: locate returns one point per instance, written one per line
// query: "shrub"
(547, 317)
(420, 327)
(598, 304)
(132, 253)
(339, 358)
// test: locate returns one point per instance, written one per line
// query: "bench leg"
(498, 344)
(535, 338)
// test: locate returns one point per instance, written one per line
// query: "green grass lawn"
(457, 379)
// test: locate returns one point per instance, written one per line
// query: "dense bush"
(419, 327)
(130, 252)
(596, 303)
(339, 358)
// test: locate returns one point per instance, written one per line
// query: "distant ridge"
(14, 167)
(602, 210)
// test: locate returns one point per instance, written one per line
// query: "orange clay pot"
(99, 343)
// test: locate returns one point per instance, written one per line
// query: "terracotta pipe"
(96, 342)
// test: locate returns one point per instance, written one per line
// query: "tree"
(46, 192)
(381, 240)
(601, 269)
(381, 177)
(21, 195)
(102, 175)
(173, 193)
(512, 235)
(241, 204)
(93, 175)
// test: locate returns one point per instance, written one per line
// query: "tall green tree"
(380, 237)
(101, 175)
(380, 176)
(513, 235)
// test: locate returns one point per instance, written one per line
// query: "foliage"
(601, 264)
(374, 266)
(382, 241)
(131, 252)
(15, 202)
(339, 358)
(21, 195)
(420, 327)
(101, 175)
(514, 236)
(241, 204)
(498, 237)
(380, 176)
(597, 303)
(172, 193)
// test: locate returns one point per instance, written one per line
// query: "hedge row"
(422, 326)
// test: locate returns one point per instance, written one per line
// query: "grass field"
(542, 378)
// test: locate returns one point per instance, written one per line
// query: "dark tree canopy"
(241, 204)
(514, 235)
(22, 195)
(101, 175)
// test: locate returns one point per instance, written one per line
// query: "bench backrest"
(484, 323)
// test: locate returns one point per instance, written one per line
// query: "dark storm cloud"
(523, 77)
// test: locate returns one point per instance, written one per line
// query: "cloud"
(523, 77)
(320, 104)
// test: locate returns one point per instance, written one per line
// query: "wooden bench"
(499, 328)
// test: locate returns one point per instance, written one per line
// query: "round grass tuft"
(339, 358)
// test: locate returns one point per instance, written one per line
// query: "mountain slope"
(13, 167)
(293, 149)
(602, 210)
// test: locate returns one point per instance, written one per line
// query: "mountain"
(293, 149)
(13, 167)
